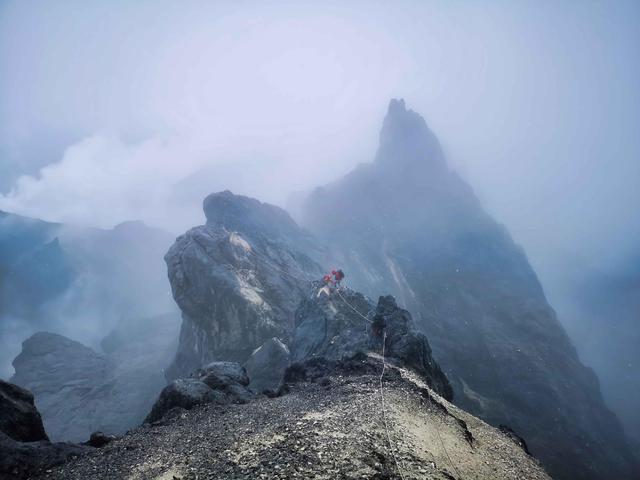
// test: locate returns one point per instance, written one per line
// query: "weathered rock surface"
(19, 418)
(217, 382)
(79, 391)
(238, 280)
(266, 366)
(406, 224)
(24, 446)
(346, 323)
(324, 430)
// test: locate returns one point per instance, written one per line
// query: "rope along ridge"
(384, 412)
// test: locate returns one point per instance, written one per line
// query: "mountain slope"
(408, 225)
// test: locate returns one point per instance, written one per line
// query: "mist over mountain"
(600, 309)
(79, 282)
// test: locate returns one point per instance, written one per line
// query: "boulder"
(185, 393)
(266, 366)
(100, 439)
(222, 374)
(218, 382)
(19, 418)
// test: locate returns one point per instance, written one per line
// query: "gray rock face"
(266, 366)
(346, 323)
(238, 280)
(19, 418)
(405, 224)
(79, 391)
(218, 382)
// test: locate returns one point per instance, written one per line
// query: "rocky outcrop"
(217, 382)
(19, 418)
(24, 446)
(345, 323)
(266, 366)
(79, 391)
(406, 224)
(238, 280)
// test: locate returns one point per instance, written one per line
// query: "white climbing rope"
(352, 307)
(446, 452)
(384, 411)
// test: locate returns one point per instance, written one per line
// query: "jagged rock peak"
(248, 215)
(406, 138)
(345, 323)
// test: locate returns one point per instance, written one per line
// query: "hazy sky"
(106, 106)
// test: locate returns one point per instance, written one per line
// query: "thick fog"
(114, 111)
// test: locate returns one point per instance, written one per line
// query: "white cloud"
(102, 181)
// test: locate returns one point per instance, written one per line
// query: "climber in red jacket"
(338, 275)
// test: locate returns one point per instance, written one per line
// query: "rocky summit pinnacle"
(406, 139)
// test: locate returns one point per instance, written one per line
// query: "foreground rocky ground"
(329, 425)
